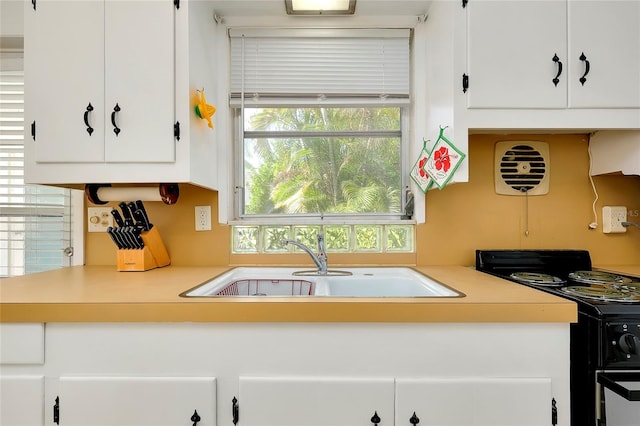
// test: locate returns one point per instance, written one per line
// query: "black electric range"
(605, 342)
(566, 273)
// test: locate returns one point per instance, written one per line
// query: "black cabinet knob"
(195, 418)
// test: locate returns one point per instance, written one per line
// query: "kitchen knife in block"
(152, 255)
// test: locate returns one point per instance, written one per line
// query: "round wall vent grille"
(522, 168)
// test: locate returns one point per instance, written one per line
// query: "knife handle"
(141, 220)
(132, 209)
(116, 241)
(140, 206)
(128, 219)
(116, 216)
(138, 238)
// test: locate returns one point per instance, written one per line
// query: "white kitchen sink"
(344, 282)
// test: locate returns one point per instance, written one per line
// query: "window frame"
(239, 218)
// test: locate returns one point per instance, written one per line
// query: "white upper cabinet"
(529, 54)
(100, 86)
(64, 73)
(110, 92)
(607, 33)
(139, 81)
(511, 46)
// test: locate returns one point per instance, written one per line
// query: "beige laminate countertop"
(101, 294)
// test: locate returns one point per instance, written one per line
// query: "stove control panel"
(622, 347)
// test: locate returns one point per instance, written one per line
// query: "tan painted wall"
(459, 219)
(465, 217)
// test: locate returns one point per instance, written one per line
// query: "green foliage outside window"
(322, 160)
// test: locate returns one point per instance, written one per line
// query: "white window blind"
(370, 65)
(35, 226)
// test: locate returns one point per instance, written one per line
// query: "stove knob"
(629, 344)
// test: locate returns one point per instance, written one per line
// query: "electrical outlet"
(612, 218)
(203, 218)
(99, 219)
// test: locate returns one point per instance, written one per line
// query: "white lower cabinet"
(140, 401)
(21, 400)
(474, 401)
(286, 374)
(346, 401)
(312, 401)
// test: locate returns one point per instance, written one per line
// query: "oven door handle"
(611, 382)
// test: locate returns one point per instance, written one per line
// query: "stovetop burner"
(538, 279)
(574, 279)
(626, 293)
(597, 277)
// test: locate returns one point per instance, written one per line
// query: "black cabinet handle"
(195, 418)
(587, 68)
(33, 130)
(86, 118)
(235, 412)
(414, 420)
(56, 411)
(375, 419)
(116, 129)
(555, 59)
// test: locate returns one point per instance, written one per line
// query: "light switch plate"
(99, 219)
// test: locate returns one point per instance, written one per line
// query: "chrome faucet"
(319, 259)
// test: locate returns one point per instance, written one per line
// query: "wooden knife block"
(153, 255)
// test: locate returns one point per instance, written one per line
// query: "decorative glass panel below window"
(338, 238)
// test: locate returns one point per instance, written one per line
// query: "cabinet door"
(474, 402)
(21, 400)
(139, 47)
(511, 46)
(312, 401)
(608, 34)
(64, 73)
(141, 401)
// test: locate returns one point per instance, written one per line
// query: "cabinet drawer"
(22, 343)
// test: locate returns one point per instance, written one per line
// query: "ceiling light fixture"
(320, 7)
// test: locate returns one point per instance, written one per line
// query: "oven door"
(619, 394)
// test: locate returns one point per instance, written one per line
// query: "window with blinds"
(35, 220)
(322, 116)
(343, 66)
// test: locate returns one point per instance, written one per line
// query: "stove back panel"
(553, 262)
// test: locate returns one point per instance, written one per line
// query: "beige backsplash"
(459, 219)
